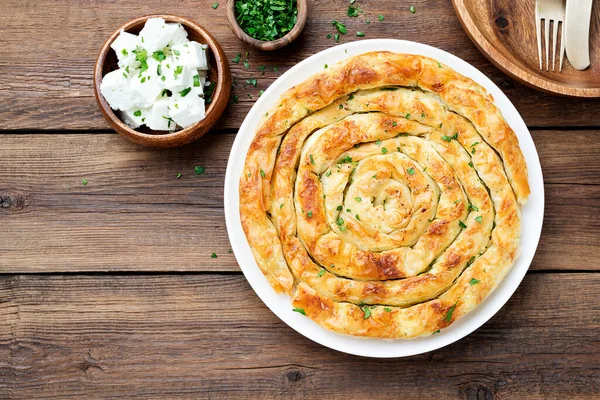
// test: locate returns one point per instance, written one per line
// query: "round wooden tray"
(505, 34)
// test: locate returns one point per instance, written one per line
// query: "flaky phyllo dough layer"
(382, 195)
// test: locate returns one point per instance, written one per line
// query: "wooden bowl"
(505, 34)
(271, 44)
(219, 73)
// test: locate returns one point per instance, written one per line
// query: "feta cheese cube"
(180, 36)
(156, 34)
(177, 75)
(147, 85)
(124, 46)
(118, 93)
(191, 54)
(158, 118)
(187, 110)
(134, 117)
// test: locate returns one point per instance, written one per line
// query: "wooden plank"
(209, 336)
(52, 88)
(134, 214)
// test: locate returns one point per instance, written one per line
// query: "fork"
(550, 11)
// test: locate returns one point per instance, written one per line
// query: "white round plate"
(532, 212)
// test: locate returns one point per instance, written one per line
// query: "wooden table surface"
(109, 290)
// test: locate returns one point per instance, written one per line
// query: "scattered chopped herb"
(261, 92)
(321, 273)
(309, 214)
(339, 208)
(462, 224)
(381, 17)
(237, 58)
(215, 5)
(230, 251)
(358, 199)
(384, 150)
(246, 64)
(328, 36)
(340, 221)
(337, 37)
(353, 11)
(366, 311)
(196, 80)
(163, 78)
(345, 160)
(84, 181)
(328, 173)
(235, 98)
(351, 97)
(474, 281)
(178, 70)
(387, 309)
(213, 255)
(394, 123)
(178, 175)
(275, 69)
(412, 9)
(252, 82)
(357, 217)
(312, 160)
(360, 34)
(199, 169)
(478, 218)
(455, 136)
(471, 260)
(438, 331)
(176, 52)
(423, 115)
(299, 310)
(185, 91)
(448, 316)
(471, 164)
(407, 116)
(137, 113)
(266, 20)
(326, 66)
(340, 27)
(411, 171)
(472, 207)
(447, 138)
(378, 142)
(262, 173)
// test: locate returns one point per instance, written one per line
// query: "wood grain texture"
(505, 33)
(53, 90)
(210, 337)
(134, 214)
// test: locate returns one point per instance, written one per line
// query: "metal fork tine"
(554, 37)
(562, 45)
(538, 30)
(546, 40)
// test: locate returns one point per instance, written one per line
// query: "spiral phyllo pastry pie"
(383, 195)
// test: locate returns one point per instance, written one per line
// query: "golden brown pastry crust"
(383, 210)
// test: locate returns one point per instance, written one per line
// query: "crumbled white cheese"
(161, 80)
(187, 110)
(117, 92)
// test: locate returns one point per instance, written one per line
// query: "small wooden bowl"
(219, 73)
(272, 44)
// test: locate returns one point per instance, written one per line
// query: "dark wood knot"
(501, 22)
(294, 375)
(13, 202)
(478, 392)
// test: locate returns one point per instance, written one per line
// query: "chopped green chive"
(176, 52)
(299, 310)
(412, 9)
(448, 316)
(472, 207)
(410, 171)
(137, 113)
(84, 181)
(387, 309)
(462, 224)
(215, 5)
(384, 150)
(185, 91)
(381, 17)
(199, 169)
(214, 255)
(196, 80)
(321, 273)
(312, 160)
(366, 311)
(474, 281)
(237, 58)
(309, 214)
(252, 82)
(358, 199)
(360, 34)
(478, 218)
(262, 173)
